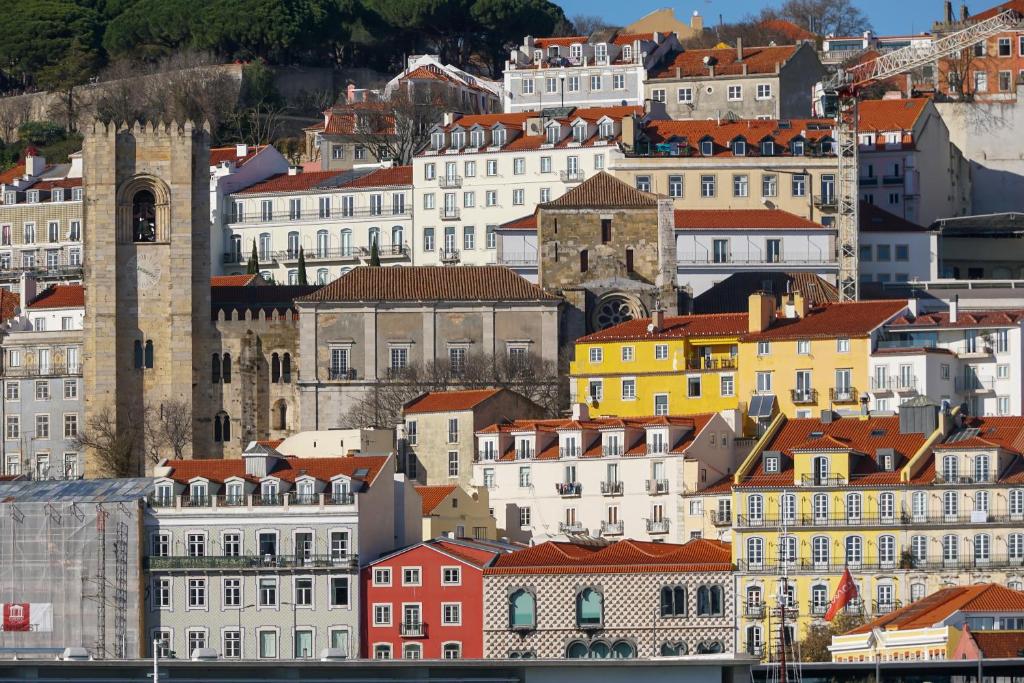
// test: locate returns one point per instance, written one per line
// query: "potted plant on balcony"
(906, 560)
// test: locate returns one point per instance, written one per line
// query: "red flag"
(845, 593)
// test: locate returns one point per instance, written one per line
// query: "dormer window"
(10, 197)
(476, 138)
(32, 196)
(199, 493)
(575, 51)
(57, 194)
(436, 140)
(887, 462)
(458, 139)
(164, 494)
(269, 491)
(579, 132)
(607, 129)
(707, 147)
(771, 464)
(341, 492)
(739, 147)
(554, 134)
(76, 194)
(304, 492)
(234, 493)
(627, 53)
(767, 148)
(498, 136)
(796, 148)
(538, 55)
(828, 146)
(601, 52)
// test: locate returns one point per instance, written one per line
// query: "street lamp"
(241, 642)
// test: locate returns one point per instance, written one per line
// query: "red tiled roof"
(230, 153)
(846, 433)
(232, 280)
(692, 131)
(999, 644)
(384, 177)
(60, 296)
(890, 115)
(12, 174)
(847, 319)
(934, 608)
(1005, 432)
(630, 38)
(331, 180)
(445, 401)
(287, 469)
(603, 191)
(286, 182)
(475, 551)
(561, 40)
(965, 319)
(758, 60)
(429, 283)
(874, 219)
(741, 219)
(524, 223)
(1017, 5)
(788, 29)
(9, 304)
(723, 485)
(623, 557)
(674, 327)
(433, 496)
(64, 183)
(341, 120)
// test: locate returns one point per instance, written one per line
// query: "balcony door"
(803, 384)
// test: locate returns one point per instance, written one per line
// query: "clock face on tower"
(147, 270)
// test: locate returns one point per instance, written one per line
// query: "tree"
(303, 279)
(374, 254)
(397, 128)
(169, 428)
(46, 33)
(587, 24)
(818, 636)
(78, 64)
(253, 267)
(503, 23)
(112, 442)
(824, 17)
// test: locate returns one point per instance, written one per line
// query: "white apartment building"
(258, 558)
(892, 249)
(482, 171)
(972, 357)
(333, 217)
(605, 69)
(607, 477)
(426, 76)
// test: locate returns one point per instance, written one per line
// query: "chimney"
(827, 416)
(27, 289)
(658, 321)
(949, 12)
(35, 163)
(580, 412)
(697, 21)
(241, 149)
(796, 306)
(760, 311)
(294, 170)
(739, 49)
(954, 308)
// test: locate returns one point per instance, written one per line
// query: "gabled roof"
(523, 223)
(999, 644)
(432, 496)
(733, 293)
(395, 176)
(59, 296)
(940, 605)
(623, 557)
(286, 469)
(429, 283)
(446, 401)
(965, 319)
(758, 60)
(475, 551)
(603, 191)
(874, 219)
(674, 327)
(692, 131)
(890, 115)
(1006, 432)
(230, 153)
(846, 319)
(232, 280)
(741, 219)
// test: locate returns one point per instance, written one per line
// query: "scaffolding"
(73, 546)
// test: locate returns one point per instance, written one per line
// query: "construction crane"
(839, 99)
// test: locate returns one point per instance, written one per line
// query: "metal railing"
(524, 453)
(336, 212)
(659, 448)
(412, 629)
(450, 182)
(721, 518)
(826, 201)
(611, 488)
(570, 452)
(895, 383)
(448, 255)
(874, 564)
(710, 363)
(817, 608)
(51, 370)
(572, 176)
(843, 395)
(657, 526)
(754, 611)
(255, 562)
(656, 487)
(893, 179)
(570, 527)
(611, 528)
(341, 373)
(42, 270)
(809, 520)
(252, 500)
(451, 212)
(803, 396)
(975, 385)
(611, 450)
(568, 489)
(518, 259)
(819, 480)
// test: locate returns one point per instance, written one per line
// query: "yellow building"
(808, 359)
(676, 365)
(452, 509)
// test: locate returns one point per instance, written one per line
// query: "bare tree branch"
(113, 444)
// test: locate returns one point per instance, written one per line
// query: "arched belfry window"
(143, 217)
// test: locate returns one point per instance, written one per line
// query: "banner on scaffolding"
(26, 616)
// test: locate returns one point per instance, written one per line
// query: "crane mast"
(841, 96)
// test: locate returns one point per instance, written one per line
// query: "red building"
(989, 71)
(426, 601)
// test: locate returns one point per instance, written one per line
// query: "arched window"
(886, 506)
(754, 640)
(221, 427)
(1017, 503)
(820, 551)
(139, 363)
(226, 365)
(755, 508)
(950, 467)
(374, 235)
(321, 276)
(451, 651)
(950, 504)
(322, 243)
(412, 651)
(143, 217)
(286, 368)
(819, 599)
(522, 610)
(577, 650)
(397, 238)
(215, 369)
(755, 552)
(275, 368)
(787, 549)
(1015, 548)
(673, 601)
(709, 647)
(589, 608)
(673, 649)
(623, 650)
(218, 436)
(281, 415)
(709, 601)
(854, 551)
(346, 242)
(149, 354)
(293, 244)
(600, 650)
(854, 506)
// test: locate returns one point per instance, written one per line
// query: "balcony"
(518, 260)
(818, 480)
(868, 181)
(843, 395)
(657, 448)
(571, 528)
(524, 454)
(754, 611)
(252, 500)
(62, 269)
(448, 255)
(451, 182)
(569, 489)
(657, 526)
(873, 564)
(611, 449)
(755, 649)
(656, 487)
(975, 385)
(572, 176)
(754, 260)
(809, 520)
(710, 363)
(412, 629)
(250, 562)
(826, 202)
(611, 528)
(803, 397)
(450, 213)
(339, 373)
(888, 385)
(721, 518)
(570, 452)
(611, 488)
(47, 370)
(880, 608)
(893, 179)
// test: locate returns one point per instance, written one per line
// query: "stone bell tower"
(147, 274)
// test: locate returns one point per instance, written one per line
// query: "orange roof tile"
(9, 304)
(937, 607)
(603, 191)
(890, 115)
(12, 174)
(433, 496)
(788, 29)
(287, 468)
(847, 319)
(999, 644)
(286, 182)
(628, 556)
(232, 280)
(60, 296)
(692, 131)
(445, 401)
(674, 327)
(384, 177)
(230, 153)
(429, 283)
(741, 219)
(1017, 5)
(1006, 432)
(524, 223)
(965, 319)
(758, 60)
(560, 40)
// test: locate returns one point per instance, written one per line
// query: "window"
(339, 591)
(527, 87)
(798, 185)
(451, 576)
(735, 92)
(709, 601)
(1004, 47)
(661, 404)
(764, 91)
(196, 641)
(628, 389)
(658, 94)
(727, 385)
(769, 185)
(673, 601)
(740, 186)
(675, 186)
(382, 615)
(618, 81)
(524, 517)
(707, 186)
(764, 381)
(522, 610)
(197, 593)
(660, 351)
(268, 592)
(518, 197)
(267, 644)
(628, 353)
(451, 651)
(693, 387)
(843, 345)
(589, 608)
(451, 613)
(596, 355)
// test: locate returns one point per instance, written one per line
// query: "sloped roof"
(741, 219)
(999, 644)
(287, 182)
(432, 496)
(758, 60)
(9, 304)
(732, 294)
(230, 153)
(445, 401)
(1017, 5)
(964, 319)
(394, 176)
(429, 283)
(232, 280)
(890, 115)
(871, 218)
(59, 296)
(846, 319)
(1005, 431)
(286, 468)
(623, 557)
(12, 174)
(674, 327)
(523, 223)
(788, 29)
(603, 191)
(724, 132)
(940, 605)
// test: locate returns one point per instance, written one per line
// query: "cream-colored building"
(664, 20)
(336, 442)
(451, 510)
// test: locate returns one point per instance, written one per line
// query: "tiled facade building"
(622, 600)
